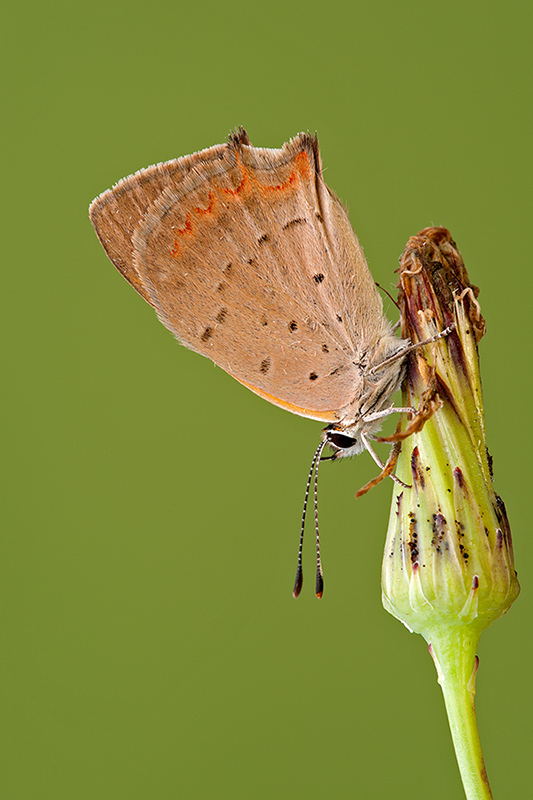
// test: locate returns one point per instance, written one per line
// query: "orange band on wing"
(322, 416)
(188, 229)
(303, 169)
(248, 183)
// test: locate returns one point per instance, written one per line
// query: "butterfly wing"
(250, 260)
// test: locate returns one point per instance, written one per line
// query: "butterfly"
(249, 259)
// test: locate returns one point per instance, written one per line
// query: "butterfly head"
(364, 416)
(344, 442)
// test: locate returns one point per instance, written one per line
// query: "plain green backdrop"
(150, 644)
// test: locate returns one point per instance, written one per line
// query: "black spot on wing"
(293, 222)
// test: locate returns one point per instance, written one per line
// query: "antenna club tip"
(319, 595)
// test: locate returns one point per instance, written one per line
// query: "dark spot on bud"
(399, 503)
(207, 334)
(416, 472)
(413, 537)
(439, 531)
(265, 365)
(501, 512)
(313, 376)
(459, 477)
(489, 459)
(221, 316)
(319, 277)
(293, 325)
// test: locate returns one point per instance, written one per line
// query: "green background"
(151, 647)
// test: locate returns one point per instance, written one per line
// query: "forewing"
(117, 212)
(250, 260)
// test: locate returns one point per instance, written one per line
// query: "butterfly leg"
(385, 413)
(385, 473)
(379, 462)
(411, 347)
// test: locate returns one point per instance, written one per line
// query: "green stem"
(454, 654)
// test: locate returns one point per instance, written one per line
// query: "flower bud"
(448, 559)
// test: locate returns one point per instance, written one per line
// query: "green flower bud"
(448, 559)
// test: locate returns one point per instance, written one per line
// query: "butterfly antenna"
(299, 569)
(319, 589)
(387, 293)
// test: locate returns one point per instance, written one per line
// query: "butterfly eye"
(340, 440)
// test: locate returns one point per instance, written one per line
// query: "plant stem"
(454, 653)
